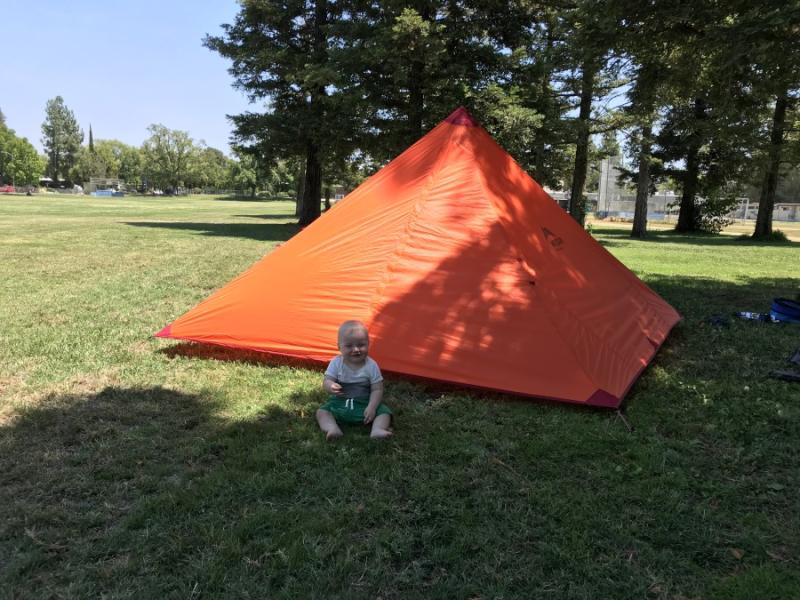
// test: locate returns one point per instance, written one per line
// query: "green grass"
(132, 467)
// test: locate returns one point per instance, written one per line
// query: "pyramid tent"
(463, 269)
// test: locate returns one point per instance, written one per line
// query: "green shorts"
(351, 410)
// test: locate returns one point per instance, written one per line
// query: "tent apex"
(461, 116)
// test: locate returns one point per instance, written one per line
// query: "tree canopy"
(703, 92)
(61, 138)
(20, 164)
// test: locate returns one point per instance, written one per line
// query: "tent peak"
(461, 116)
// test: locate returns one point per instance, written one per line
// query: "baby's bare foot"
(380, 433)
(333, 435)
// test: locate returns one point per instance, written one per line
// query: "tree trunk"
(313, 187)
(687, 217)
(766, 202)
(301, 187)
(576, 203)
(309, 210)
(416, 89)
(416, 100)
(544, 92)
(639, 229)
(327, 197)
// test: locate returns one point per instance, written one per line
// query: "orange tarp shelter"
(463, 269)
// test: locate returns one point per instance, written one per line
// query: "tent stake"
(625, 421)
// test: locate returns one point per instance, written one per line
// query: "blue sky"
(120, 66)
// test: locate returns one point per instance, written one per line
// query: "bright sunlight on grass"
(132, 467)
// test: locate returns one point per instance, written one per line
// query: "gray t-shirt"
(356, 383)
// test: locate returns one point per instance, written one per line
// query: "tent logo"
(556, 242)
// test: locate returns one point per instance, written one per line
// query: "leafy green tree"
(409, 65)
(281, 179)
(530, 51)
(243, 174)
(208, 168)
(589, 30)
(280, 53)
(710, 116)
(647, 40)
(767, 40)
(513, 122)
(88, 164)
(61, 138)
(167, 156)
(131, 164)
(20, 164)
(110, 151)
(110, 158)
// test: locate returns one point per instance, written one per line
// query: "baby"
(355, 385)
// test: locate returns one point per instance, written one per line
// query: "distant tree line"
(703, 92)
(167, 160)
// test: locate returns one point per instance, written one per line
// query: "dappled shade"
(465, 271)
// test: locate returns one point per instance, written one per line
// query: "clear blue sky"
(120, 66)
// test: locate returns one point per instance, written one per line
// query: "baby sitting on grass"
(355, 385)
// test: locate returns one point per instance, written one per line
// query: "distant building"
(100, 184)
(609, 188)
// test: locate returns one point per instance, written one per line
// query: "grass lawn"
(132, 467)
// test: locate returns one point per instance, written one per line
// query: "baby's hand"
(336, 389)
(369, 415)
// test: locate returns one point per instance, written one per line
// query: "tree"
(280, 56)
(20, 164)
(589, 36)
(110, 152)
(769, 40)
(529, 55)
(167, 156)
(111, 159)
(408, 65)
(647, 40)
(88, 164)
(131, 164)
(709, 117)
(61, 139)
(243, 174)
(208, 168)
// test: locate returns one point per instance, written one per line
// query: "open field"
(132, 467)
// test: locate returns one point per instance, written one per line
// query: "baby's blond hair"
(349, 325)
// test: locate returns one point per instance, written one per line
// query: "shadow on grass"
(83, 474)
(148, 492)
(269, 217)
(609, 243)
(251, 199)
(696, 298)
(224, 353)
(74, 464)
(695, 239)
(272, 232)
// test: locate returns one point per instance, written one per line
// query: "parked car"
(7, 189)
